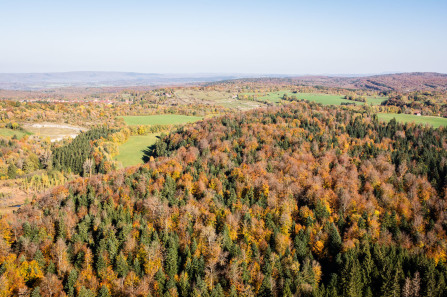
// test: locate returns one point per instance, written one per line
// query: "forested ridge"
(298, 200)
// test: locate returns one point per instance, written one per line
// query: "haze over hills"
(39, 81)
(402, 82)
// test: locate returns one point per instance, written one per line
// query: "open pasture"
(160, 119)
(400, 117)
(132, 152)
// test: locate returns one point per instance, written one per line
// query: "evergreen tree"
(12, 171)
(266, 288)
(171, 259)
(36, 292)
(71, 281)
(84, 292)
(121, 266)
(352, 285)
(334, 240)
(217, 291)
(104, 292)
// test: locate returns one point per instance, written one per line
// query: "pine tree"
(71, 281)
(84, 292)
(217, 291)
(171, 259)
(266, 287)
(101, 264)
(334, 240)
(121, 266)
(161, 280)
(104, 292)
(12, 171)
(227, 242)
(287, 292)
(184, 285)
(332, 290)
(40, 259)
(351, 277)
(51, 268)
(233, 291)
(137, 266)
(36, 292)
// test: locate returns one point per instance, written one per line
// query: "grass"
(400, 117)
(9, 132)
(162, 119)
(132, 152)
(326, 99)
(222, 98)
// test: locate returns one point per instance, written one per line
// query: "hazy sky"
(288, 37)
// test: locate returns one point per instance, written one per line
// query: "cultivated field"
(163, 119)
(132, 152)
(222, 98)
(434, 121)
(326, 99)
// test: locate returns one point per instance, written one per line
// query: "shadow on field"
(149, 152)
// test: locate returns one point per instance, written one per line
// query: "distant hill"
(39, 81)
(404, 82)
(400, 82)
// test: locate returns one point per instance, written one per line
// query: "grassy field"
(222, 98)
(10, 132)
(162, 119)
(434, 121)
(326, 99)
(132, 152)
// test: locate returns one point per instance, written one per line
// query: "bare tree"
(88, 166)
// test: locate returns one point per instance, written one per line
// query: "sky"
(259, 37)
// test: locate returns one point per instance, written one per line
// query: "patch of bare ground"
(12, 197)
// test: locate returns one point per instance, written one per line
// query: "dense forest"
(75, 155)
(298, 200)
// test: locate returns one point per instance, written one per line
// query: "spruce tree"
(104, 292)
(36, 292)
(171, 260)
(121, 266)
(71, 281)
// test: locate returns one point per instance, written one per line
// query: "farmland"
(222, 98)
(434, 121)
(325, 99)
(163, 119)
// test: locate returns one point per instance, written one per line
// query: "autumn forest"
(262, 187)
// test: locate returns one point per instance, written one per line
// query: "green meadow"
(326, 99)
(10, 132)
(132, 152)
(400, 117)
(160, 119)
